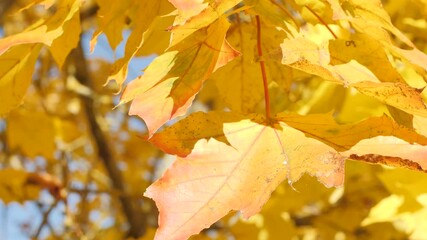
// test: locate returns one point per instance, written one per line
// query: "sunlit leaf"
(202, 20)
(15, 74)
(140, 33)
(112, 19)
(217, 177)
(171, 81)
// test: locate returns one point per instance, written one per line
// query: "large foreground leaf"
(216, 178)
(241, 171)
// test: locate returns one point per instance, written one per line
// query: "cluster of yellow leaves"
(48, 134)
(14, 186)
(19, 52)
(219, 167)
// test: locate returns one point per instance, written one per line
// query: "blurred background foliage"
(74, 167)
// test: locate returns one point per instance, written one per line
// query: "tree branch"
(4, 6)
(45, 221)
(132, 212)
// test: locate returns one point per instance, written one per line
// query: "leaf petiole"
(263, 71)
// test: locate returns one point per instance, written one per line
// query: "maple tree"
(299, 118)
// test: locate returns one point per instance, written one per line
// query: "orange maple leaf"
(240, 166)
(172, 80)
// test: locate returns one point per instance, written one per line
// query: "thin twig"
(66, 160)
(132, 212)
(111, 192)
(44, 221)
(321, 20)
(286, 12)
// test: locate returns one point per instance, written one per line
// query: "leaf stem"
(263, 71)
(322, 21)
(286, 12)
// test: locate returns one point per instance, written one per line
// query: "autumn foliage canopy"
(319, 105)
